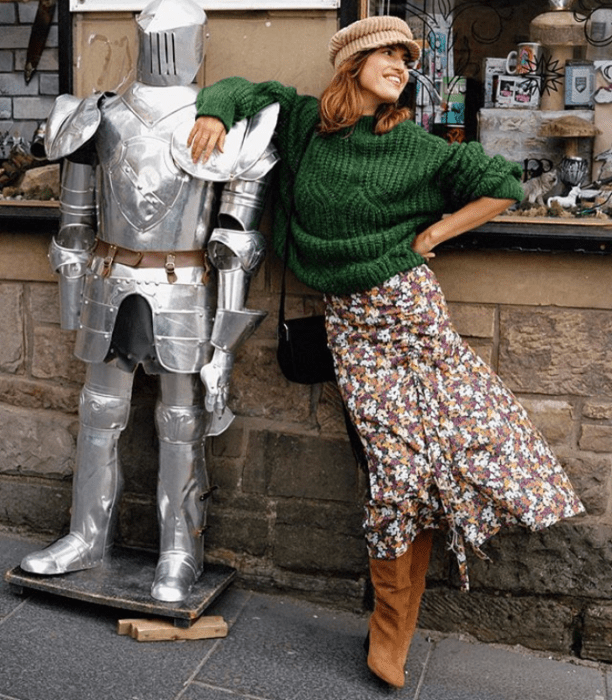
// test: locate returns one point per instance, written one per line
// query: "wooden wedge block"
(164, 630)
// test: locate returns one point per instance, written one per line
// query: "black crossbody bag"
(302, 352)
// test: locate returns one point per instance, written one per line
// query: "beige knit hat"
(371, 33)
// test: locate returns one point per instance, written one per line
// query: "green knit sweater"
(360, 198)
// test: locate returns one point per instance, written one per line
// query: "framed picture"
(137, 5)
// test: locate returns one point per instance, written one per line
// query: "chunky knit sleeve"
(468, 173)
(233, 99)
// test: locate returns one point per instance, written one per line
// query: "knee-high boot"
(398, 586)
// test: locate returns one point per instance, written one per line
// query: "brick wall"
(23, 106)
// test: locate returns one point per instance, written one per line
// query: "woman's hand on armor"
(207, 134)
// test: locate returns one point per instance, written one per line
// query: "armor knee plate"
(104, 412)
(179, 424)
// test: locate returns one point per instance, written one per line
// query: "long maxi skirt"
(447, 444)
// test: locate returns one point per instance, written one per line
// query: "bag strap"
(292, 176)
(281, 308)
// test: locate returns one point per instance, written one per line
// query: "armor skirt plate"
(447, 444)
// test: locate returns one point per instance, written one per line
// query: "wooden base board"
(208, 627)
(124, 581)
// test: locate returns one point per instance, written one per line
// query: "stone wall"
(287, 511)
(23, 106)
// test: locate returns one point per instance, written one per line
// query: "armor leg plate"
(182, 486)
(103, 414)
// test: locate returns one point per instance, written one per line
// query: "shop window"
(532, 81)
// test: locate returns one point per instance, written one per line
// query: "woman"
(447, 444)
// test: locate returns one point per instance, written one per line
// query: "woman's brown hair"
(340, 103)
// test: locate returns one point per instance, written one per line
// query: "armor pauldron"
(232, 328)
(179, 425)
(246, 142)
(72, 122)
(103, 411)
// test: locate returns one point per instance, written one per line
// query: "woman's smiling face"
(383, 77)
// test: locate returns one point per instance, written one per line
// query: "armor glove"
(216, 377)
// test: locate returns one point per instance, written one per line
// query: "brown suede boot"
(394, 619)
(421, 552)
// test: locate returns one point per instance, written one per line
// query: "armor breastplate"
(145, 201)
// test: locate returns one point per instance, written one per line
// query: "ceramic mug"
(527, 59)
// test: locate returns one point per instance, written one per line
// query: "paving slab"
(460, 670)
(283, 649)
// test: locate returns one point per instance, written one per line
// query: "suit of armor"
(146, 278)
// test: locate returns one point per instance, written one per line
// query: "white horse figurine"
(568, 201)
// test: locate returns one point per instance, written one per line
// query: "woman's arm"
(465, 219)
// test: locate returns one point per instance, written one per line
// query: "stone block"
(32, 107)
(553, 418)
(484, 350)
(36, 443)
(239, 531)
(473, 320)
(597, 633)
(305, 549)
(571, 556)
(6, 107)
(556, 351)
(231, 443)
(7, 14)
(27, 12)
(44, 303)
(333, 518)
(6, 60)
(49, 60)
(27, 393)
(590, 476)
(597, 409)
(15, 37)
(596, 438)
(300, 466)
(40, 507)
(49, 84)
(11, 327)
(14, 85)
(532, 622)
(319, 537)
(225, 475)
(53, 356)
(259, 390)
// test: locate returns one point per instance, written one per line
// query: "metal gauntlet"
(70, 250)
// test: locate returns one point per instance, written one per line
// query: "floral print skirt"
(447, 444)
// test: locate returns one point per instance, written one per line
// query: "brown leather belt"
(169, 260)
